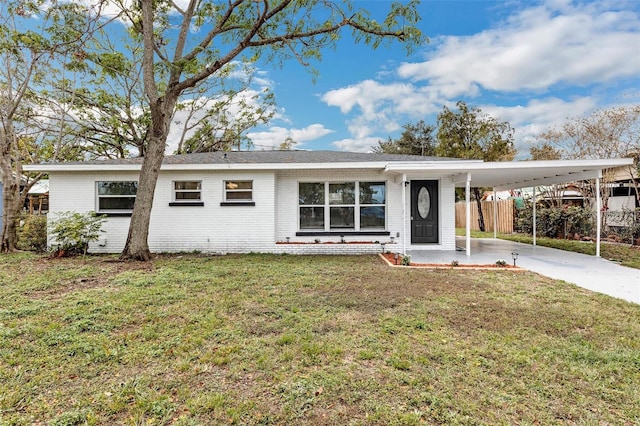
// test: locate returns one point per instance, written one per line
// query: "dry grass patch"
(262, 339)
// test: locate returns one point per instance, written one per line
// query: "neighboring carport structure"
(514, 175)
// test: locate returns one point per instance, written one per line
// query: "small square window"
(187, 191)
(238, 190)
(116, 196)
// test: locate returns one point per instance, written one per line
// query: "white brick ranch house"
(293, 201)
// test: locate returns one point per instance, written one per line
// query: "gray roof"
(274, 157)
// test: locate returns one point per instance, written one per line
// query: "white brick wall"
(239, 229)
(208, 228)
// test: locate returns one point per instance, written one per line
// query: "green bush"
(72, 232)
(551, 221)
(32, 234)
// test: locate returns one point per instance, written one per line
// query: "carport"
(512, 175)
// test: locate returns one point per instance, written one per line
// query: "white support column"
(404, 214)
(598, 216)
(495, 213)
(467, 198)
(535, 231)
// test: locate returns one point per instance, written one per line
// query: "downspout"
(598, 214)
(467, 199)
(535, 231)
(404, 214)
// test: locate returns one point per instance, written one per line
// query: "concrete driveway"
(590, 272)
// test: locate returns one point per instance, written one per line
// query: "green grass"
(625, 254)
(274, 340)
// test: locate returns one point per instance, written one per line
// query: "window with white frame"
(357, 206)
(238, 191)
(187, 191)
(116, 196)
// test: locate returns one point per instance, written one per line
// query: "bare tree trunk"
(137, 246)
(476, 192)
(11, 191)
(10, 212)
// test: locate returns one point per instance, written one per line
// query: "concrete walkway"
(585, 271)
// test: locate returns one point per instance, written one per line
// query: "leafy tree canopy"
(416, 139)
(468, 133)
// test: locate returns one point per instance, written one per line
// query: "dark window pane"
(372, 217)
(372, 193)
(311, 193)
(193, 185)
(311, 217)
(116, 203)
(241, 195)
(187, 195)
(342, 193)
(342, 217)
(117, 188)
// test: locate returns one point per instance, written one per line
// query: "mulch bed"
(389, 258)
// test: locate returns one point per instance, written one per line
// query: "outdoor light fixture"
(514, 256)
(391, 238)
(396, 257)
(382, 245)
(287, 239)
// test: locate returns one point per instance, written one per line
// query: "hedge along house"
(304, 202)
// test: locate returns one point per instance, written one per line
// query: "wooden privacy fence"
(505, 215)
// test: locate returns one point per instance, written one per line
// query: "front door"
(424, 211)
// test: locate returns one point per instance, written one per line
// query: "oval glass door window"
(424, 202)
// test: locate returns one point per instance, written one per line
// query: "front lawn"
(265, 339)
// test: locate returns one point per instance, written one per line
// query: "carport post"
(404, 214)
(598, 218)
(495, 213)
(534, 216)
(467, 198)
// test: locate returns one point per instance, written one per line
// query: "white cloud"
(382, 107)
(556, 43)
(274, 136)
(357, 144)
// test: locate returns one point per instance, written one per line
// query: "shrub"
(551, 221)
(406, 260)
(72, 232)
(32, 234)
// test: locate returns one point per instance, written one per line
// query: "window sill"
(239, 203)
(338, 233)
(187, 204)
(128, 214)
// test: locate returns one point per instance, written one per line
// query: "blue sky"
(531, 63)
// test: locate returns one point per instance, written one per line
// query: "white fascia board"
(276, 166)
(478, 165)
(398, 167)
(550, 180)
(417, 166)
(586, 164)
(52, 168)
